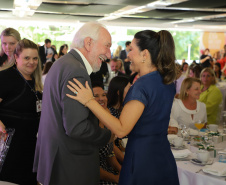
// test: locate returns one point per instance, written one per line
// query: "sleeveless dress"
(148, 157)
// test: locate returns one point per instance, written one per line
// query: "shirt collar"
(87, 64)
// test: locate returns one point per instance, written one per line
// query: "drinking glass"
(199, 124)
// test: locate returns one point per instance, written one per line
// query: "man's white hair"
(90, 29)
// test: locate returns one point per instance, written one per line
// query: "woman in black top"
(20, 107)
(205, 59)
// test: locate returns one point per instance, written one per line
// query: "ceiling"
(179, 14)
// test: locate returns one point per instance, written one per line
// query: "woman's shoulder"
(201, 104)
(146, 81)
(177, 103)
(7, 71)
(214, 88)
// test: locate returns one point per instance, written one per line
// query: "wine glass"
(199, 124)
(184, 132)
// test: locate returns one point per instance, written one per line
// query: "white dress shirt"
(87, 64)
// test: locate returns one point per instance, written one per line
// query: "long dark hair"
(47, 67)
(196, 69)
(219, 66)
(116, 90)
(162, 50)
(61, 49)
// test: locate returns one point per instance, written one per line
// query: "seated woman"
(194, 71)
(46, 69)
(117, 91)
(217, 70)
(210, 95)
(109, 166)
(187, 109)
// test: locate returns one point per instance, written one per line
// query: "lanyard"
(32, 89)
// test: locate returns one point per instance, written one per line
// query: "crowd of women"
(198, 99)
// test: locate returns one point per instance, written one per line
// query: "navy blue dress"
(148, 157)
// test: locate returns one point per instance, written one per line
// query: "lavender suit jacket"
(69, 135)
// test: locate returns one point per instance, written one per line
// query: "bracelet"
(88, 101)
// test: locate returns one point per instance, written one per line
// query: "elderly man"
(69, 135)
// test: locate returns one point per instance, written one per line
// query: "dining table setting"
(200, 155)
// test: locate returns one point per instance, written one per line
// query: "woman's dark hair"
(182, 67)
(196, 69)
(116, 90)
(47, 67)
(219, 66)
(162, 50)
(97, 84)
(61, 49)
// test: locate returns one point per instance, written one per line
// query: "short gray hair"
(90, 29)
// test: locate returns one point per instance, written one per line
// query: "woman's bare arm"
(120, 127)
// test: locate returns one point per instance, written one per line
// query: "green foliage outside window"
(182, 39)
(38, 34)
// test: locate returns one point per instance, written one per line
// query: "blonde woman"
(210, 95)
(20, 108)
(117, 52)
(9, 40)
(120, 66)
(187, 109)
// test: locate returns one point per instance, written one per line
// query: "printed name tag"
(38, 106)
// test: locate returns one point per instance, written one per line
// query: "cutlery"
(199, 170)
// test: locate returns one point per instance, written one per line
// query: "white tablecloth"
(188, 176)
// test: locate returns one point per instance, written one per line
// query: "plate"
(209, 162)
(181, 157)
(212, 173)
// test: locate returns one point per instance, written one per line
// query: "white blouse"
(180, 115)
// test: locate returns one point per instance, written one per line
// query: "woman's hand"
(172, 130)
(83, 94)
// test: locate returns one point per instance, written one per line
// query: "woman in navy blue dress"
(146, 112)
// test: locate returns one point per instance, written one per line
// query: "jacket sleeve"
(79, 122)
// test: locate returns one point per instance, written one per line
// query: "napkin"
(124, 142)
(171, 137)
(216, 168)
(181, 153)
(193, 132)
